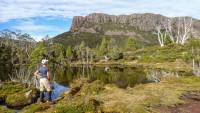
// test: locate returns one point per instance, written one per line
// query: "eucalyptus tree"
(178, 30)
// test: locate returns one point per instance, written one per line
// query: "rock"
(19, 100)
(9, 88)
(77, 22)
(17, 95)
(95, 102)
(27, 94)
(74, 90)
(144, 22)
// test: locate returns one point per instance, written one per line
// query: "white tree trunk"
(180, 34)
(161, 36)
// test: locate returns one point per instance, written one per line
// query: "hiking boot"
(50, 102)
(49, 95)
(41, 99)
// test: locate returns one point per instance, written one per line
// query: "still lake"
(121, 76)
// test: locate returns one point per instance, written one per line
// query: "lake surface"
(121, 76)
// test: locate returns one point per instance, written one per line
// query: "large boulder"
(19, 100)
(9, 88)
(17, 95)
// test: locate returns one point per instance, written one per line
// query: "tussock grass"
(142, 98)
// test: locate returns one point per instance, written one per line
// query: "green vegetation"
(16, 99)
(103, 48)
(142, 98)
(69, 52)
(80, 108)
(130, 44)
(34, 108)
(54, 53)
(10, 88)
(5, 58)
(168, 53)
(14, 94)
(5, 110)
(92, 40)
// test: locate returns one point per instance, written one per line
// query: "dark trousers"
(42, 96)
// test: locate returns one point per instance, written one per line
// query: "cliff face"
(97, 22)
(122, 24)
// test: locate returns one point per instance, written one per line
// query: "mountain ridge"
(138, 25)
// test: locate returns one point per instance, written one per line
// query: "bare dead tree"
(180, 32)
(161, 36)
(22, 75)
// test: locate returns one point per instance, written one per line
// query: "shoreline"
(171, 66)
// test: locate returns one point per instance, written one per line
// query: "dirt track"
(191, 105)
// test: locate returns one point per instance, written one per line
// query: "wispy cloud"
(17, 9)
(30, 26)
(38, 31)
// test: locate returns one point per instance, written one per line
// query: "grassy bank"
(96, 97)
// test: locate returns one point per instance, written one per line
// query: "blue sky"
(52, 17)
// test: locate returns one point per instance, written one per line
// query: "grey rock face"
(144, 22)
(122, 24)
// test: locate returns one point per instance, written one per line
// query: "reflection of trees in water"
(196, 68)
(122, 77)
(157, 75)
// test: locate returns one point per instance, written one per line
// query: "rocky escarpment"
(122, 24)
(144, 22)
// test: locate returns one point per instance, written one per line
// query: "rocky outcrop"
(19, 100)
(144, 22)
(109, 24)
(17, 95)
(120, 33)
(76, 23)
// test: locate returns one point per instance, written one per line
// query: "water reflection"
(157, 75)
(196, 68)
(121, 76)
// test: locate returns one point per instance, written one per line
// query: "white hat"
(44, 61)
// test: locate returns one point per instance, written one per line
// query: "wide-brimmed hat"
(44, 61)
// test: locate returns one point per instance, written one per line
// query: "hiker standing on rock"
(44, 79)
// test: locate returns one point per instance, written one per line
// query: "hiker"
(44, 79)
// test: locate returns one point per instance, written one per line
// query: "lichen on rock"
(17, 95)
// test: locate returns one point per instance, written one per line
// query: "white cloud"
(38, 31)
(18, 9)
(30, 26)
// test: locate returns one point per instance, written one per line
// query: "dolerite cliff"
(142, 27)
(98, 22)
